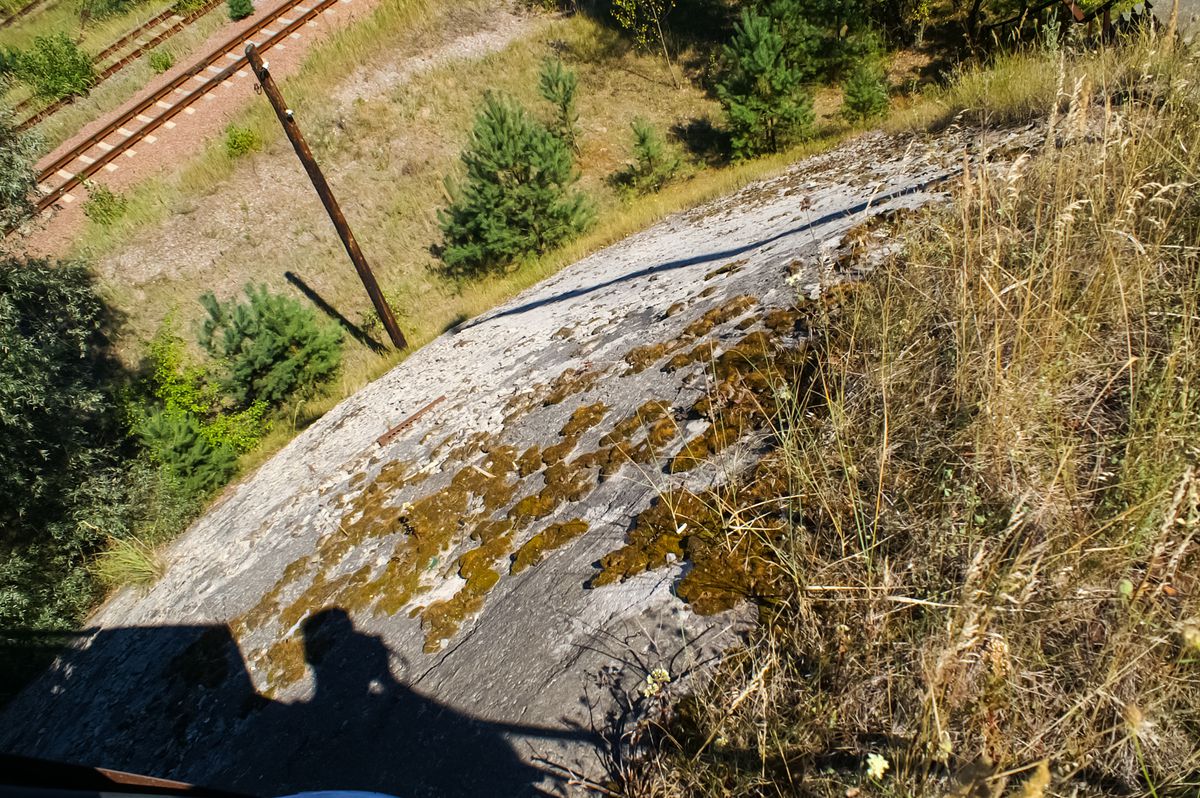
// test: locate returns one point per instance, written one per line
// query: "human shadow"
(179, 703)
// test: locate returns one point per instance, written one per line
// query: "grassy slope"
(387, 159)
(990, 579)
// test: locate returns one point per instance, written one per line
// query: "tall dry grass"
(991, 580)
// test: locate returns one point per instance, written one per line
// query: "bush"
(55, 67)
(18, 154)
(240, 9)
(655, 164)
(865, 94)
(762, 90)
(558, 86)
(241, 141)
(103, 206)
(59, 428)
(517, 198)
(270, 347)
(161, 61)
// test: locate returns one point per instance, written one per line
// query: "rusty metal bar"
(292, 129)
(390, 435)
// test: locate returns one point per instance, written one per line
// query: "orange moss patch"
(552, 537)
(701, 353)
(641, 358)
(584, 419)
(569, 383)
(729, 268)
(719, 315)
(726, 534)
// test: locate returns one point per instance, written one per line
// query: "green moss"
(552, 537)
(442, 619)
(782, 321)
(283, 664)
(729, 555)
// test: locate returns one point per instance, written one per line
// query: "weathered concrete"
(192, 681)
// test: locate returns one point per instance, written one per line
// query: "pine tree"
(655, 163)
(761, 90)
(822, 38)
(865, 94)
(558, 86)
(271, 346)
(517, 198)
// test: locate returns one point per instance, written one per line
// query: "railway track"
(177, 24)
(158, 109)
(24, 10)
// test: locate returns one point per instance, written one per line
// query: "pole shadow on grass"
(356, 332)
(178, 702)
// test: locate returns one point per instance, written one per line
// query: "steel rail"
(21, 12)
(117, 66)
(174, 110)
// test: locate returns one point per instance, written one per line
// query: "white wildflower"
(877, 765)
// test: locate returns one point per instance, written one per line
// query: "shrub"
(103, 206)
(646, 20)
(241, 141)
(655, 164)
(18, 154)
(161, 61)
(59, 426)
(517, 198)
(240, 9)
(55, 67)
(558, 86)
(270, 347)
(761, 90)
(865, 94)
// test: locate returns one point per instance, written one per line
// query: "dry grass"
(129, 562)
(990, 575)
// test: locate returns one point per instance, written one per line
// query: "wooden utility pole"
(327, 199)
